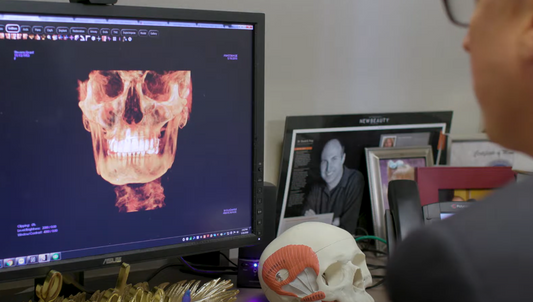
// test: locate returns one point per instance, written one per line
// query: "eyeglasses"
(460, 11)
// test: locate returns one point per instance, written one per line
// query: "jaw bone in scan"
(134, 117)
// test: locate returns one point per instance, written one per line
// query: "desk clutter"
(216, 290)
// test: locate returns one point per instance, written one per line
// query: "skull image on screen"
(134, 117)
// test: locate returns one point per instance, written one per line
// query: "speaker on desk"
(249, 256)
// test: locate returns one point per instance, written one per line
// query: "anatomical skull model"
(314, 261)
(134, 117)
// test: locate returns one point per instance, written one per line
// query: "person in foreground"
(484, 253)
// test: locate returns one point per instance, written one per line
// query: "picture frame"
(433, 182)
(386, 164)
(388, 141)
(303, 143)
(476, 150)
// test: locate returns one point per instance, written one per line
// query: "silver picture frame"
(408, 158)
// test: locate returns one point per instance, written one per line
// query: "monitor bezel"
(149, 13)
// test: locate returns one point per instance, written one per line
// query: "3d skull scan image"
(134, 117)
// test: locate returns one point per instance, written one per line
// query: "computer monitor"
(127, 134)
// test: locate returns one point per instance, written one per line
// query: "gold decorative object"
(216, 290)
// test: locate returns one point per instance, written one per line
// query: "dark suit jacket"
(482, 254)
(344, 201)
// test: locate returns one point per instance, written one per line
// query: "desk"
(256, 295)
(173, 274)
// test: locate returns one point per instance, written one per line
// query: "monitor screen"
(446, 215)
(122, 134)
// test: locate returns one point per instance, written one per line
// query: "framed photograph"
(439, 184)
(477, 150)
(323, 167)
(388, 141)
(387, 164)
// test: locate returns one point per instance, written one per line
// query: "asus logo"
(113, 260)
(374, 120)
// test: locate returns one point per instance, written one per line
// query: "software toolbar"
(13, 18)
(29, 260)
(52, 257)
(12, 31)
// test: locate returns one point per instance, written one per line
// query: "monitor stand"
(212, 258)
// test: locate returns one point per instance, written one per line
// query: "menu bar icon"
(63, 30)
(12, 28)
(129, 32)
(43, 258)
(55, 256)
(33, 259)
(21, 261)
(9, 262)
(38, 30)
(78, 30)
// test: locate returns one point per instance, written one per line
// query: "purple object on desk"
(186, 297)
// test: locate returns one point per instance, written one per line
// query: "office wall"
(354, 56)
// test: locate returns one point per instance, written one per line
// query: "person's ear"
(343, 158)
(526, 38)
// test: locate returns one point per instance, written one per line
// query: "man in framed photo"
(341, 193)
(482, 253)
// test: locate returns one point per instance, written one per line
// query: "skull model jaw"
(314, 262)
(134, 118)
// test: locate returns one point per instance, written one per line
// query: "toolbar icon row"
(29, 260)
(83, 38)
(63, 30)
(209, 236)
